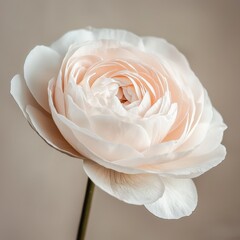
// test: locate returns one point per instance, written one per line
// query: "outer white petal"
(193, 163)
(206, 155)
(199, 165)
(200, 131)
(119, 35)
(39, 119)
(179, 199)
(41, 65)
(22, 95)
(213, 137)
(186, 166)
(73, 37)
(131, 188)
(83, 35)
(46, 128)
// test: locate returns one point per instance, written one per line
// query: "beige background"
(41, 190)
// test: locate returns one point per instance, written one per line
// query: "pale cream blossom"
(131, 108)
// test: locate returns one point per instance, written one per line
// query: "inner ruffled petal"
(110, 80)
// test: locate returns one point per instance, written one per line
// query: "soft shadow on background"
(41, 190)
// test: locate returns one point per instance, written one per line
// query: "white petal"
(179, 199)
(175, 60)
(118, 35)
(131, 188)
(120, 132)
(154, 109)
(200, 131)
(83, 35)
(41, 64)
(46, 128)
(163, 160)
(158, 126)
(204, 163)
(213, 137)
(206, 155)
(84, 138)
(73, 37)
(190, 166)
(159, 150)
(90, 145)
(40, 120)
(22, 95)
(59, 95)
(76, 114)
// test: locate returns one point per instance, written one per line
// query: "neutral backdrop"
(41, 190)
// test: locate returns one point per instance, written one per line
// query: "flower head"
(131, 108)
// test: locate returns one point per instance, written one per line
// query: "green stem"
(85, 210)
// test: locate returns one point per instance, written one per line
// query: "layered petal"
(188, 166)
(214, 136)
(117, 131)
(179, 199)
(46, 128)
(174, 61)
(202, 125)
(81, 36)
(41, 65)
(38, 118)
(131, 108)
(22, 95)
(131, 188)
(206, 155)
(91, 145)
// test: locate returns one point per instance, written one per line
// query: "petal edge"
(178, 200)
(135, 189)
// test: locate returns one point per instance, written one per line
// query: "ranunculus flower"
(131, 108)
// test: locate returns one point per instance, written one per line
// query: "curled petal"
(213, 138)
(131, 188)
(179, 199)
(76, 114)
(158, 126)
(206, 155)
(46, 128)
(189, 166)
(89, 34)
(173, 59)
(131, 108)
(41, 65)
(201, 128)
(73, 37)
(89, 144)
(22, 95)
(120, 132)
(39, 119)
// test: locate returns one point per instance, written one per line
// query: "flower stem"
(86, 210)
